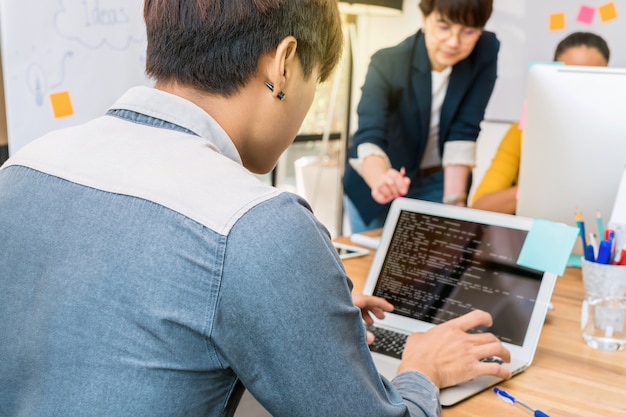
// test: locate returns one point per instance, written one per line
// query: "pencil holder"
(603, 311)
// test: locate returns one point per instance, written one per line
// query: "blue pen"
(590, 253)
(604, 252)
(611, 240)
(508, 398)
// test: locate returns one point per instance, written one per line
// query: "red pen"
(622, 256)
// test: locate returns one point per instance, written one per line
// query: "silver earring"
(280, 95)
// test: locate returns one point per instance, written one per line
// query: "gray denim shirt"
(146, 272)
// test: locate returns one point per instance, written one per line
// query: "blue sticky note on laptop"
(548, 246)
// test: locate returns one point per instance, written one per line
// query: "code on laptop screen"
(438, 268)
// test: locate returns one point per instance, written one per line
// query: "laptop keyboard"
(387, 342)
(390, 343)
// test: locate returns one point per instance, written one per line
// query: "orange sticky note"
(557, 21)
(61, 104)
(607, 12)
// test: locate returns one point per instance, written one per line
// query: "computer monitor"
(574, 143)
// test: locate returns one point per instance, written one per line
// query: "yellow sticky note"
(607, 12)
(557, 21)
(61, 104)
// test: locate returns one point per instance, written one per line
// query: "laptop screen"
(439, 268)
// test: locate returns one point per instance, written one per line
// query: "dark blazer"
(394, 111)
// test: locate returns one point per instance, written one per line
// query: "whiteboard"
(529, 31)
(67, 61)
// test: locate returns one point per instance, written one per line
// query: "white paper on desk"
(364, 240)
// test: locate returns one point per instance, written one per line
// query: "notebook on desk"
(436, 262)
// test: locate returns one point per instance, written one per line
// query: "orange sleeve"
(504, 169)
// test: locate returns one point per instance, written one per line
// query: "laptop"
(436, 262)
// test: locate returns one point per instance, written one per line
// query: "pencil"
(600, 224)
(581, 227)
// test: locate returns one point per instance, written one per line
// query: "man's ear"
(281, 65)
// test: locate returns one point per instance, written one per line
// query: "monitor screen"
(438, 268)
(574, 143)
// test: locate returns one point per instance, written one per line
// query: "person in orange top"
(497, 190)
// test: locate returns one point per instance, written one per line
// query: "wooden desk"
(567, 378)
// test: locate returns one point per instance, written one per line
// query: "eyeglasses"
(443, 30)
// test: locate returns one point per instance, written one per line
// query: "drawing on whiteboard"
(67, 55)
(37, 82)
(97, 23)
(37, 79)
(66, 61)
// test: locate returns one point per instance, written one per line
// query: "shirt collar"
(182, 112)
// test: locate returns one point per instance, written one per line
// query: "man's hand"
(371, 305)
(448, 355)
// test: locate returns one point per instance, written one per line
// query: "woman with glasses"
(420, 112)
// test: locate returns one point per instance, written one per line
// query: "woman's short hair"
(588, 39)
(472, 13)
(215, 45)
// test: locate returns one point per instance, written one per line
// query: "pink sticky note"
(585, 14)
